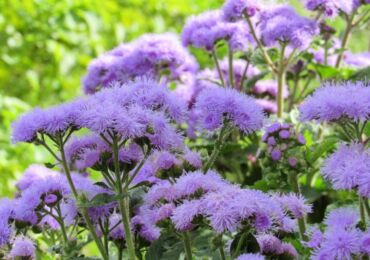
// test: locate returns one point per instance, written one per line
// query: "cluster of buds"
(281, 138)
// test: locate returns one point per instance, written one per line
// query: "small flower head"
(23, 247)
(237, 9)
(219, 104)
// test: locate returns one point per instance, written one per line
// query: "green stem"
(231, 68)
(244, 75)
(124, 204)
(281, 82)
(222, 253)
(84, 212)
(216, 149)
(345, 39)
(187, 245)
(301, 222)
(214, 55)
(239, 246)
(295, 88)
(367, 207)
(266, 56)
(362, 210)
(61, 224)
(120, 252)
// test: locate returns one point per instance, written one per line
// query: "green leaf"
(155, 250)
(252, 81)
(361, 75)
(328, 72)
(49, 165)
(101, 199)
(317, 151)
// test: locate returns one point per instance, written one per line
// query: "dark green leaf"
(317, 151)
(252, 81)
(361, 75)
(101, 199)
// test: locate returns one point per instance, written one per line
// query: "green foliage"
(46, 45)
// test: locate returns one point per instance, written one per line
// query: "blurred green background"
(46, 45)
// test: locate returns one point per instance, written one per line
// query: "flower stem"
(367, 207)
(224, 132)
(187, 245)
(301, 222)
(239, 245)
(214, 55)
(231, 68)
(281, 82)
(84, 212)
(345, 39)
(266, 56)
(124, 203)
(362, 210)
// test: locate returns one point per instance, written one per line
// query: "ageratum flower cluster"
(280, 138)
(342, 238)
(349, 168)
(154, 158)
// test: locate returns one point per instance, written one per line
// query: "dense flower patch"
(164, 158)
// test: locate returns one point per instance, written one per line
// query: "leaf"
(101, 184)
(248, 244)
(252, 81)
(361, 75)
(49, 165)
(155, 250)
(317, 151)
(143, 183)
(101, 199)
(328, 72)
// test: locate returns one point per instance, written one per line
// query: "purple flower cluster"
(23, 248)
(223, 205)
(151, 54)
(206, 29)
(280, 137)
(51, 121)
(273, 246)
(284, 25)
(341, 239)
(334, 101)
(332, 8)
(349, 168)
(235, 9)
(218, 104)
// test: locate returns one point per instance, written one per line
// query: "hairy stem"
(124, 203)
(345, 39)
(231, 68)
(281, 82)
(187, 245)
(84, 212)
(224, 132)
(301, 221)
(239, 245)
(217, 64)
(266, 56)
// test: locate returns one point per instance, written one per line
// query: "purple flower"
(334, 101)
(235, 9)
(116, 227)
(151, 55)
(283, 24)
(194, 182)
(316, 238)
(348, 167)
(206, 29)
(23, 247)
(276, 154)
(301, 139)
(365, 243)
(284, 134)
(250, 257)
(295, 205)
(215, 105)
(49, 121)
(339, 244)
(33, 174)
(184, 214)
(332, 8)
(342, 218)
(269, 244)
(193, 158)
(6, 210)
(292, 161)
